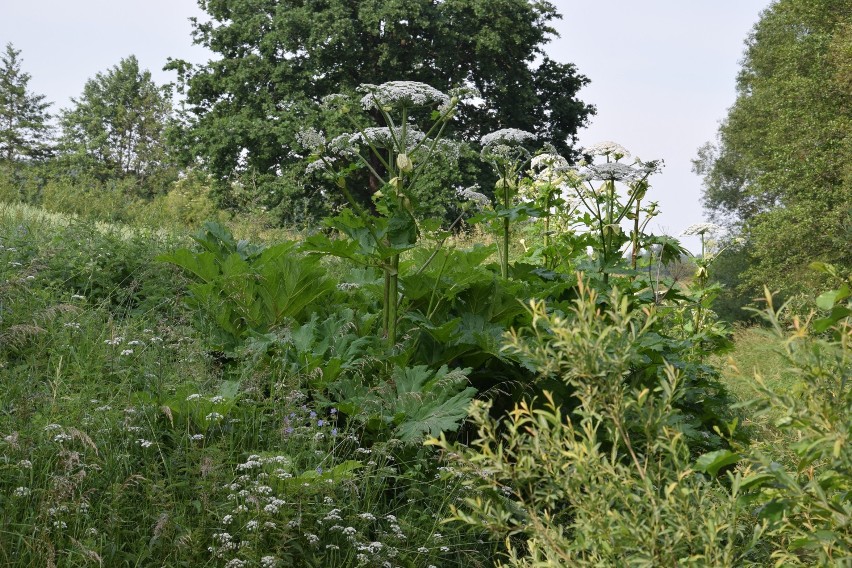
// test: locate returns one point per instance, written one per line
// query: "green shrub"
(613, 482)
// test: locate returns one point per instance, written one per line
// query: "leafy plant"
(413, 403)
(247, 289)
(612, 482)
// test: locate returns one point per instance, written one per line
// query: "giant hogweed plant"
(605, 208)
(505, 150)
(395, 156)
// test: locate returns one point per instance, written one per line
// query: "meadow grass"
(125, 441)
(758, 353)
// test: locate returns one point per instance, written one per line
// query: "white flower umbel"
(400, 94)
(608, 148)
(507, 137)
(548, 161)
(336, 101)
(702, 229)
(311, 139)
(616, 171)
(381, 137)
(470, 193)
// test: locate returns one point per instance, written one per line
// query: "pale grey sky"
(662, 71)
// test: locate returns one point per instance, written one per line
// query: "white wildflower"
(507, 136)
(471, 194)
(194, 396)
(613, 171)
(702, 229)
(383, 137)
(126, 352)
(144, 443)
(268, 562)
(548, 161)
(25, 464)
(311, 139)
(608, 148)
(336, 101)
(400, 93)
(213, 417)
(321, 165)
(22, 492)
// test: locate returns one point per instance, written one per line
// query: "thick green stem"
(392, 299)
(504, 257)
(635, 254)
(386, 303)
(504, 260)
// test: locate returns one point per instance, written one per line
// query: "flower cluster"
(608, 148)
(702, 229)
(471, 194)
(401, 94)
(507, 136)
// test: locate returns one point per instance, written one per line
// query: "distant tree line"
(235, 120)
(780, 172)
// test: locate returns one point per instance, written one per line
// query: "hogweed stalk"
(504, 150)
(395, 156)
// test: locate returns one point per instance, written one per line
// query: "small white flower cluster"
(608, 148)
(471, 194)
(617, 171)
(507, 136)
(334, 101)
(702, 229)
(401, 94)
(382, 137)
(545, 162)
(321, 165)
(311, 139)
(22, 492)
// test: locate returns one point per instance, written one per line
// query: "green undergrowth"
(215, 401)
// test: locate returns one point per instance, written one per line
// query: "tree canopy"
(279, 58)
(24, 118)
(117, 127)
(781, 171)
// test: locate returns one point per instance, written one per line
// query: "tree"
(781, 171)
(117, 128)
(24, 119)
(279, 58)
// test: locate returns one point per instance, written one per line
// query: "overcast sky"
(662, 71)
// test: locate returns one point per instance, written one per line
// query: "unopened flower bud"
(404, 163)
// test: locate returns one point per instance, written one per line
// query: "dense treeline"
(232, 124)
(779, 173)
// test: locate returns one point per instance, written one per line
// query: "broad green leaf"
(712, 462)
